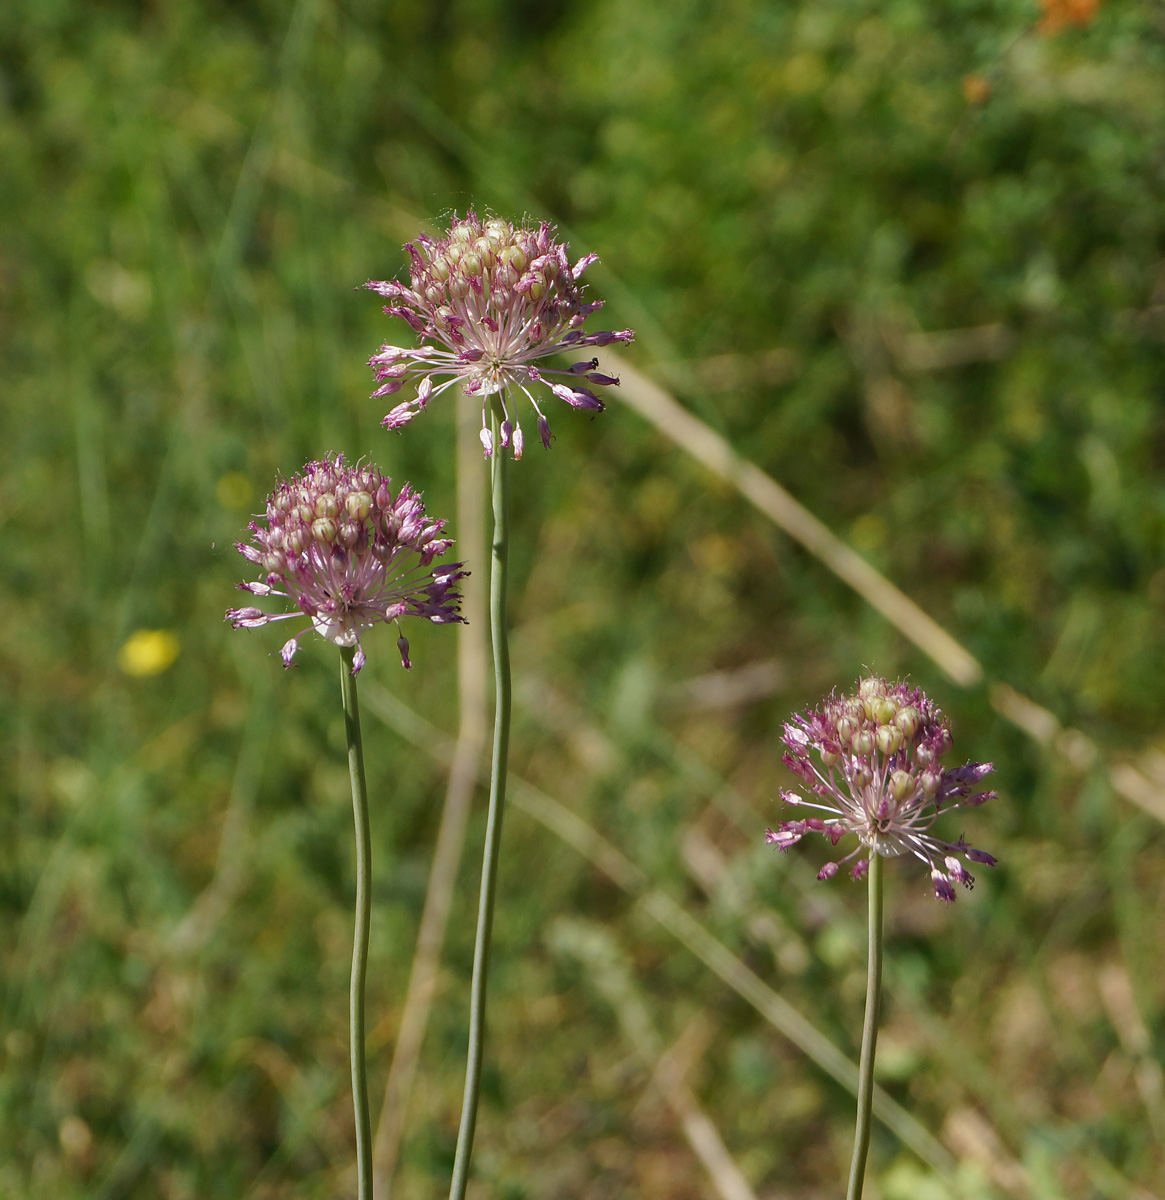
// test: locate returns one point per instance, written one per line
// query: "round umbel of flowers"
(489, 302)
(349, 554)
(870, 764)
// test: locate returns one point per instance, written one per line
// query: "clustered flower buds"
(877, 774)
(349, 553)
(489, 301)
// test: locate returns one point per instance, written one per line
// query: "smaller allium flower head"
(876, 773)
(349, 554)
(489, 301)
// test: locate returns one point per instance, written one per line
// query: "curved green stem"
(499, 637)
(857, 1171)
(363, 920)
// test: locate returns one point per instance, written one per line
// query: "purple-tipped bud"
(247, 618)
(402, 644)
(958, 872)
(942, 887)
(980, 856)
(783, 838)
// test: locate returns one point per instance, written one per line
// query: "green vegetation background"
(783, 197)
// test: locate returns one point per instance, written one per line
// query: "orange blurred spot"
(976, 89)
(1060, 13)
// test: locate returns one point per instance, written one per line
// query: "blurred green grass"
(784, 199)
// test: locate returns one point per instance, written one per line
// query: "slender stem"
(499, 637)
(363, 920)
(857, 1171)
(473, 706)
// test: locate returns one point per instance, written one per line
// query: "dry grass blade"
(705, 445)
(783, 1016)
(466, 763)
(1116, 991)
(686, 929)
(608, 971)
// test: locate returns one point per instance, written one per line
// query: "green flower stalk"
(875, 772)
(350, 554)
(363, 923)
(490, 302)
(499, 627)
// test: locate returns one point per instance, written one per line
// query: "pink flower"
(877, 774)
(349, 554)
(489, 302)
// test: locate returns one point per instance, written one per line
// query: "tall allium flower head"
(350, 554)
(489, 301)
(877, 774)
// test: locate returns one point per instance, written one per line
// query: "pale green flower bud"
(888, 739)
(324, 528)
(901, 785)
(908, 720)
(359, 505)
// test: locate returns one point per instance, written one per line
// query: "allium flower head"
(489, 301)
(349, 554)
(877, 774)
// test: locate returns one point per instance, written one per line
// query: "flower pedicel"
(490, 301)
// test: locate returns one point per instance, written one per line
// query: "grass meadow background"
(907, 258)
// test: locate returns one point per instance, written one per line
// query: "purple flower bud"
(980, 856)
(583, 263)
(399, 417)
(246, 618)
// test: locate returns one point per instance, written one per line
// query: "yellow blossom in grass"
(147, 652)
